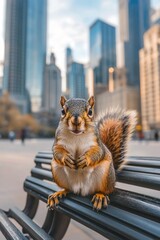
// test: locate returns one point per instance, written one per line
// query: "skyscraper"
(150, 79)
(15, 51)
(75, 77)
(52, 87)
(134, 20)
(76, 80)
(102, 50)
(36, 50)
(25, 48)
(69, 59)
(1, 77)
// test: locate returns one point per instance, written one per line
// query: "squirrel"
(87, 153)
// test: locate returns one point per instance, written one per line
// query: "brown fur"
(115, 129)
(86, 155)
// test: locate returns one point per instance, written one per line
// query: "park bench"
(129, 216)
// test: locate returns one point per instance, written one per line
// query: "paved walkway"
(16, 162)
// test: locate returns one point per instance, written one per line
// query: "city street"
(16, 162)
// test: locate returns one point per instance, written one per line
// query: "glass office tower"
(102, 50)
(15, 52)
(69, 59)
(25, 51)
(76, 80)
(36, 50)
(134, 20)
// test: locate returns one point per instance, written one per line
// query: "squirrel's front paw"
(99, 201)
(53, 199)
(83, 161)
(69, 161)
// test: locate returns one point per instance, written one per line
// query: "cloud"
(156, 4)
(110, 11)
(68, 25)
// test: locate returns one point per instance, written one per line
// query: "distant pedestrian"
(11, 136)
(141, 135)
(23, 135)
(156, 136)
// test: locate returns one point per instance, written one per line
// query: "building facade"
(15, 52)
(36, 50)
(102, 51)
(69, 59)
(150, 79)
(134, 20)
(52, 87)
(1, 77)
(89, 80)
(76, 80)
(121, 98)
(25, 48)
(75, 77)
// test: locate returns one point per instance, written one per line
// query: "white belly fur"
(80, 181)
(85, 181)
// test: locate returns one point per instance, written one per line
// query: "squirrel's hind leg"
(99, 201)
(53, 199)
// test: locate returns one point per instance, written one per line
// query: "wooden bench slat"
(142, 169)
(45, 152)
(32, 228)
(139, 179)
(42, 160)
(8, 228)
(45, 155)
(150, 158)
(42, 174)
(143, 205)
(144, 163)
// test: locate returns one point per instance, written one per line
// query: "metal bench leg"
(48, 221)
(59, 225)
(31, 206)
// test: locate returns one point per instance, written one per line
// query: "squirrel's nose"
(75, 120)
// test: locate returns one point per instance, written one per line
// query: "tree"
(12, 120)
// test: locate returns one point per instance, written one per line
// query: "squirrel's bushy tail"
(115, 128)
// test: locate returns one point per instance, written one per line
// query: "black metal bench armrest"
(32, 228)
(8, 228)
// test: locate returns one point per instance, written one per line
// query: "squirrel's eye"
(63, 112)
(90, 112)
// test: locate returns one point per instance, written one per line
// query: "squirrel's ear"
(62, 100)
(91, 101)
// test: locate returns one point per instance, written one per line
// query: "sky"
(68, 25)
